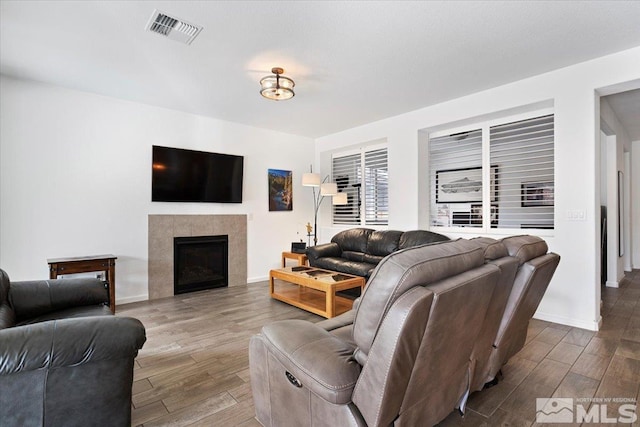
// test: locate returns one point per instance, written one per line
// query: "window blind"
(346, 173)
(524, 153)
(376, 187)
(364, 176)
(455, 175)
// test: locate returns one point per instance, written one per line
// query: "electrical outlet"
(576, 215)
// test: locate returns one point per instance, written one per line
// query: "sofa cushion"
(83, 311)
(362, 269)
(36, 298)
(354, 239)
(493, 249)
(382, 243)
(410, 239)
(372, 259)
(353, 256)
(525, 247)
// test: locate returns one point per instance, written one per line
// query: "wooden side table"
(302, 258)
(86, 264)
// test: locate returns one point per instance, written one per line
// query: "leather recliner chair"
(535, 270)
(495, 253)
(523, 260)
(65, 360)
(405, 358)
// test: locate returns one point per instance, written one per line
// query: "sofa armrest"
(323, 251)
(34, 298)
(344, 319)
(319, 360)
(378, 394)
(69, 342)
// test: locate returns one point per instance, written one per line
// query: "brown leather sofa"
(411, 349)
(357, 251)
(65, 360)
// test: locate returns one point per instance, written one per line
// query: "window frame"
(485, 126)
(361, 151)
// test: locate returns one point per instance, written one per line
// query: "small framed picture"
(537, 194)
(280, 190)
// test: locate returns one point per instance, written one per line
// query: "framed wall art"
(536, 194)
(463, 185)
(280, 190)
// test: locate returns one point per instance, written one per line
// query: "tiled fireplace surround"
(162, 230)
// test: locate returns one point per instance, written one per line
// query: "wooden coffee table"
(313, 289)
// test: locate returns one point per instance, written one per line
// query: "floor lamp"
(327, 189)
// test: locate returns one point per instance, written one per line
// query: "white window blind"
(346, 173)
(376, 187)
(497, 176)
(455, 172)
(524, 153)
(364, 177)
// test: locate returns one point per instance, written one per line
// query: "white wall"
(572, 297)
(75, 179)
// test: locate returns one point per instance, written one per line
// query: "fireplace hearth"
(200, 262)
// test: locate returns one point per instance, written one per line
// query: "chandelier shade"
(311, 180)
(340, 199)
(329, 189)
(277, 87)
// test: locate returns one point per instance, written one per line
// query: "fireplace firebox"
(200, 263)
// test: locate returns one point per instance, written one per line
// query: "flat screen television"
(180, 175)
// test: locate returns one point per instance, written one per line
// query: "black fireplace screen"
(200, 263)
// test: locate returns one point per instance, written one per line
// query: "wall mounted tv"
(180, 175)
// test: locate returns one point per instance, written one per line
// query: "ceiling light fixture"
(277, 87)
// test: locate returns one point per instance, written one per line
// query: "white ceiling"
(353, 62)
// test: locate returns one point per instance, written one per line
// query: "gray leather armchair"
(64, 359)
(404, 359)
(535, 270)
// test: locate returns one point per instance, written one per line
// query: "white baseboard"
(576, 323)
(612, 284)
(257, 279)
(128, 300)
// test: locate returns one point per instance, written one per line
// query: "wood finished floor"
(193, 369)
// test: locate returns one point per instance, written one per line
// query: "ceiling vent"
(172, 28)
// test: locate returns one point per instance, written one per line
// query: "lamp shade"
(329, 189)
(311, 179)
(340, 199)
